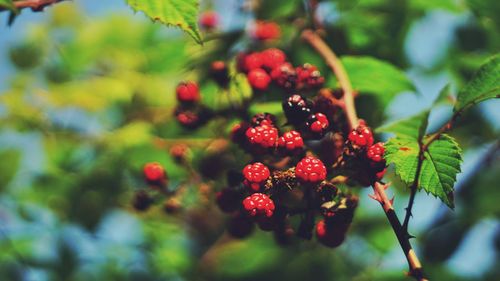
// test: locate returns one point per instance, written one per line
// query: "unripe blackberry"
(264, 136)
(291, 142)
(188, 92)
(284, 75)
(263, 119)
(155, 174)
(296, 109)
(259, 204)
(317, 124)
(264, 31)
(209, 20)
(309, 77)
(361, 137)
(258, 79)
(310, 169)
(272, 58)
(256, 175)
(376, 152)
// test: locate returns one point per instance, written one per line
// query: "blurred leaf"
(413, 127)
(268, 107)
(7, 4)
(445, 96)
(447, 5)
(133, 134)
(240, 90)
(180, 13)
(372, 76)
(484, 85)
(439, 169)
(8, 166)
(277, 8)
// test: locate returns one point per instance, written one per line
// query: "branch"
(35, 5)
(331, 59)
(338, 69)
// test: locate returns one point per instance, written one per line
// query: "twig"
(35, 5)
(338, 69)
(331, 59)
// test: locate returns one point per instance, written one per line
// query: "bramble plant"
(289, 139)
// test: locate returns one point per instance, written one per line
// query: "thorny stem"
(332, 60)
(338, 69)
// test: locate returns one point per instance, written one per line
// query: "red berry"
(179, 152)
(258, 79)
(188, 119)
(188, 92)
(318, 123)
(258, 204)
(209, 19)
(309, 76)
(331, 235)
(310, 169)
(361, 136)
(256, 175)
(154, 173)
(272, 58)
(284, 75)
(376, 152)
(252, 61)
(291, 141)
(263, 30)
(264, 136)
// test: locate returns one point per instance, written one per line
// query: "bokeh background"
(86, 87)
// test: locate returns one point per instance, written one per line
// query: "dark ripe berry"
(141, 201)
(326, 191)
(317, 124)
(188, 92)
(264, 136)
(361, 136)
(240, 226)
(296, 109)
(252, 61)
(272, 58)
(331, 235)
(332, 147)
(187, 118)
(155, 174)
(209, 20)
(256, 175)
(258, 204)
(238, 132)
(309, 77)
(310, 169)
(376, 152)
(228, 199)
(258, 79)
(263, 119)
(263, 31)
(284, 75)
(291, 141)
(219, 73)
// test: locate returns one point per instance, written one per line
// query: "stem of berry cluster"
(350, 110)
(35, 5)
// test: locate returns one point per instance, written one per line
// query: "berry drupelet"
(310, 169)
(259, 204)
(256, 175)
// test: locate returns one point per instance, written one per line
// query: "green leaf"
(484, 85)
(180, 13)
(372, 76)
(440, 166)
(268, 107)
(413, 127)
(445, 96)
(8, 168)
